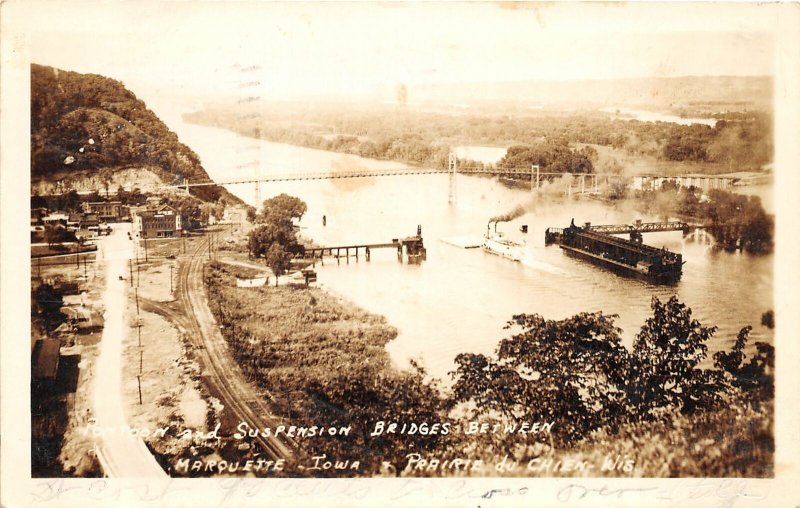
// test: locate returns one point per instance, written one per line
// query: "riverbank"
(324, 361)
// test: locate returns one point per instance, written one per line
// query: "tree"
(251, 214)
(51, 235)
(768, 319)
(47, 303)
(262, 238)
(278, 259)
(276, 228)
(572, 371)
(665, 368)
(105, 176)
(57, 234)
(755, 378)
(282, 208)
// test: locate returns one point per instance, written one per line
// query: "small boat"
(498, 244)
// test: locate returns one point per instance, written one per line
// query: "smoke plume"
(513, 214)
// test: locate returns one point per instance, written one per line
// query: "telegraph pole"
(145, 249)
(139, 380)
(130, 265)
(136, 292)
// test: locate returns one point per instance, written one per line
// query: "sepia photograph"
(506, 246)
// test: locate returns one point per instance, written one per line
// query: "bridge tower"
(452, 169)
(534, 172)
(257, 135)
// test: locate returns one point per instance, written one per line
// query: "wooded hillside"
(90, 122)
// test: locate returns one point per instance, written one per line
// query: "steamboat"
(496, 243)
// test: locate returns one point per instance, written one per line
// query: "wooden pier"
(413, 245)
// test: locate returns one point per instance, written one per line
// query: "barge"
(619, 255)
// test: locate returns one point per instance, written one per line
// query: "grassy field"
(323, 362)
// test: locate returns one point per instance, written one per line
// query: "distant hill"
(88, 125)
(710, 93)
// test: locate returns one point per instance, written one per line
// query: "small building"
(55, 219)
(85, 235)
(90, 221)
(45, 359)
(162, 222)
(74, 220)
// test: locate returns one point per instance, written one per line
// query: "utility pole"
(85, 276)
(130, 265)
(170, 279)
(141, 354)
(183, 242)
(136, 292)
(145, 249)
(139, 329)
(139, 380)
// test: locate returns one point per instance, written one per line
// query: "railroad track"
(220, 370)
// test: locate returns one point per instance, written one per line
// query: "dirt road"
(121, 453)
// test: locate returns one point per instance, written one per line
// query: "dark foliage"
(274, 237)
(99, 125)
(577, 373)
(46, 303)
(551, 156)
(666, 365)
(736, 221)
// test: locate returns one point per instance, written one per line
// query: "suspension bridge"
(583, 182)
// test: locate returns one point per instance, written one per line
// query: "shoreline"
(319, 355)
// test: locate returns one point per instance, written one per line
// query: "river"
(653, 116)
(458, 300)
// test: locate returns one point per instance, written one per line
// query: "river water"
(458, 300)
(653, 116)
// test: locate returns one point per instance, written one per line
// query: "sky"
(295, 50)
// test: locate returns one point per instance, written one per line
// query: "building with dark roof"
(109, 211)
(45, 359)
(162, 222)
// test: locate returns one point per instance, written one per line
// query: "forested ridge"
(743, 140)
(90, 122)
